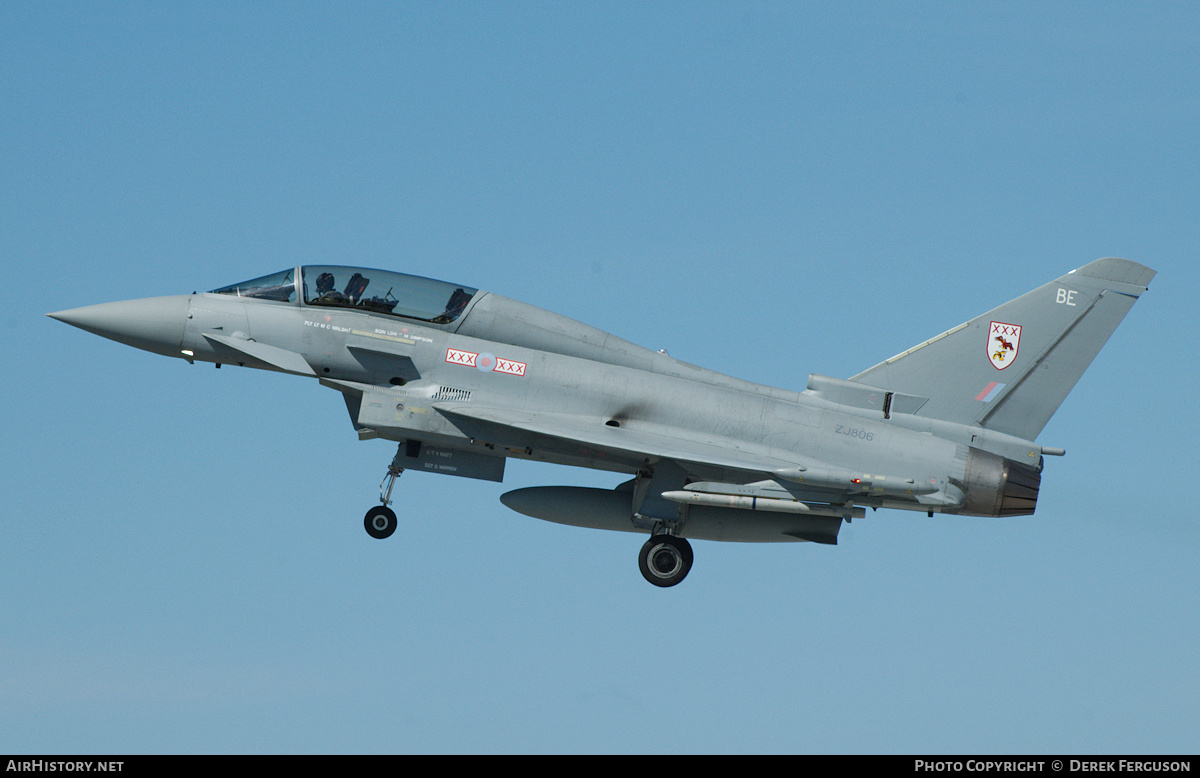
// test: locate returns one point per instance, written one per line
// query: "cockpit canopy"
(279, 286)
(363, 289)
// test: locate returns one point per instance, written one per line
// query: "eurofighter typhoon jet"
(463, 379)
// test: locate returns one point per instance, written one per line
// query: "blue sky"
(765, 189)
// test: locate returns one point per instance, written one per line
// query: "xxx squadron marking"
(488, 363)
(1003, 342)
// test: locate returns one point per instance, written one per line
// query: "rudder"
(1010, 369)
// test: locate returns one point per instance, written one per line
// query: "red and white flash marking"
(485, 362)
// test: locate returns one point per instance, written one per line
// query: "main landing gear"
(665, 560)
(380, 521)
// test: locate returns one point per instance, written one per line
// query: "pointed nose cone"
(154, 323)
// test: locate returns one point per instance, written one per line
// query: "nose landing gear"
(380, 521)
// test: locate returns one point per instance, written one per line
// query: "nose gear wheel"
(380, 522)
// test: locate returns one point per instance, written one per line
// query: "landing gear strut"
(380, 521)
(665, 560)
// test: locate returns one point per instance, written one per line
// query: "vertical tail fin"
(1010, 369)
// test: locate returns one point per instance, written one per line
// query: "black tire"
(665, 560)
(380, 522)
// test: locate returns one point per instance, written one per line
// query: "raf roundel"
(485, 362)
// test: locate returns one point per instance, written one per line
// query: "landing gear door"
(415, 455)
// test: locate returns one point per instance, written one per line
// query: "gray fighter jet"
(463, 379)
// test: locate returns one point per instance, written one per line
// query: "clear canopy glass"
(382, 291)
(277, 286)
(363, 289)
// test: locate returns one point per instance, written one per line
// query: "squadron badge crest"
(1003, 342)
